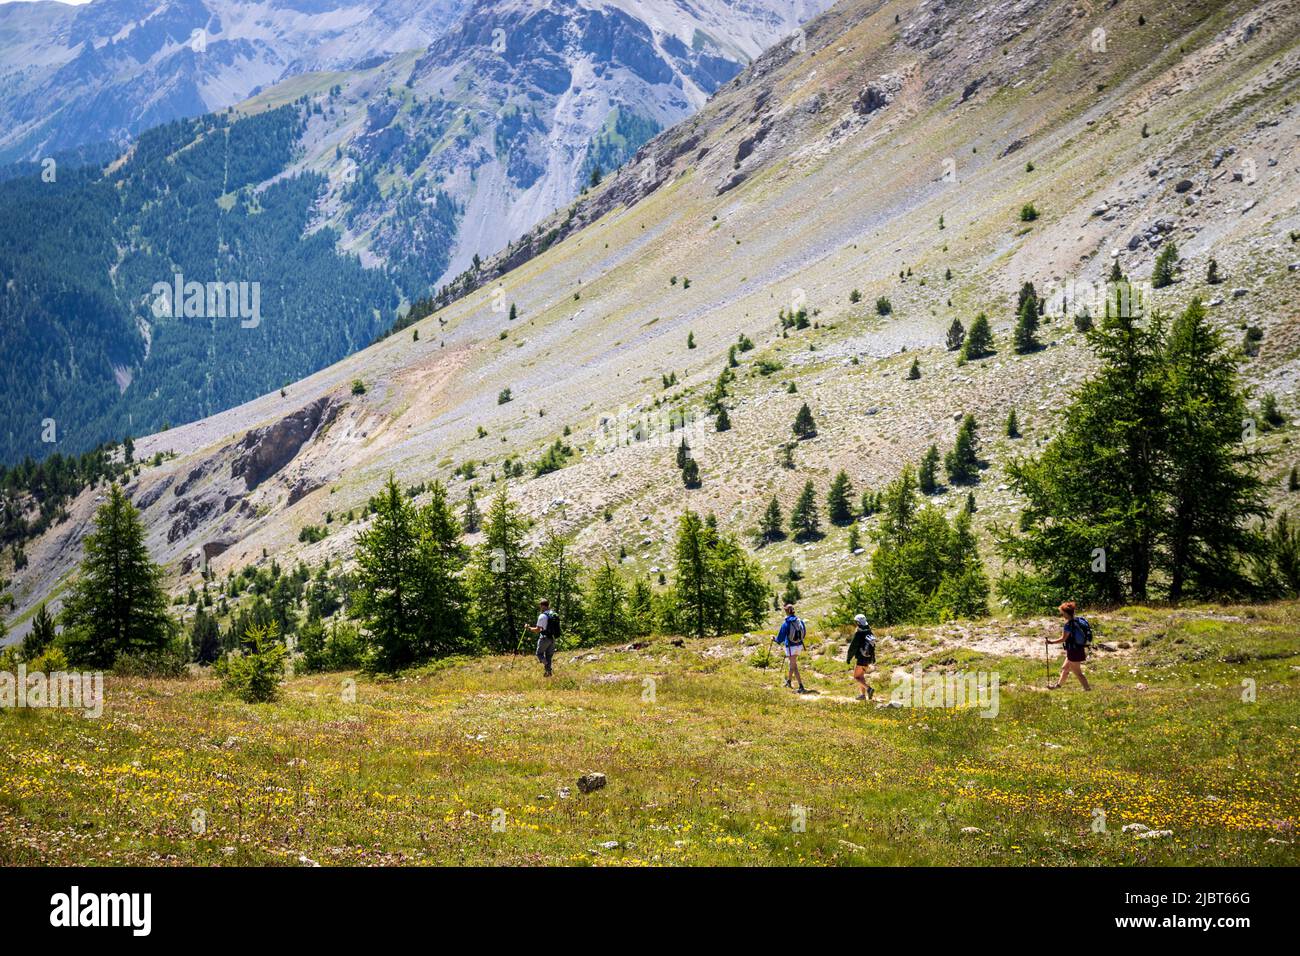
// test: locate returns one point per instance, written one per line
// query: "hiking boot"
(787, 682)
(861, 697)
(547, 672)
(871, 692)
(802, 689)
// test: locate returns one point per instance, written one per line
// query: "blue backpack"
(1080, 633)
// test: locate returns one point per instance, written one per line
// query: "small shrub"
(255, 675)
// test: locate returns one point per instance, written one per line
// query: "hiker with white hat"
(862, 654)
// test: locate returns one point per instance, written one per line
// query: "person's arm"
(781, 635)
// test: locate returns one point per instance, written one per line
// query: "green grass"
(704, 764)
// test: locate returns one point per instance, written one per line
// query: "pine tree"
(1095, 505)
(442, 604)
(502, 582)
(471, 519)
(804, 519)
(1293, 483)
(641, 608)
(979, 340)
(869, 503)
(771, 527)
(723, 421)
(41, 637)
(1026, 333)
(804, 427)
(117, 606)
(607, 611)
(559, 575)
(1166, 266)
(695, 587)
(1013, 425)
(205, 638)
(683, 453)
(914, 372)
(962, 462)
(691, 474)
(718, 587)
(855, 542)
(1212, 272)
(1215, 492)
(514, 312)
(386, 570)
(839, 508)
(956, 335)
(927, 476)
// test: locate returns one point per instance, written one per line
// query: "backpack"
(1080, 633)
(798, 630)
(868, 651)
(552, 625)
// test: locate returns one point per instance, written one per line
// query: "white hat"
(861, 619)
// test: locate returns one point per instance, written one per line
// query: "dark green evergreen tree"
(962, 463)
(804, 519)
(804, 426)
(839, 500)
(117, 605)
(979, 340)
(927, 477)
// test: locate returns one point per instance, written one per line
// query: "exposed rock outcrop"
(264, 451)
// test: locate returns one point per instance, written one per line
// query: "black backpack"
(868, 652)
(1080, 633)
(552, 625)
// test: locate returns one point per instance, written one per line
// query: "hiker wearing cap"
(1076, 635)
(790, 637)
(547, 630)
(862, 654)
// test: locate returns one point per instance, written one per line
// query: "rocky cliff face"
(506, 116)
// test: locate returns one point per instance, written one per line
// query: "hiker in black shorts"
(1075, 634)
(862, 654)
(548, 629)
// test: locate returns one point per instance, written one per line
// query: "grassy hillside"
(705, 756)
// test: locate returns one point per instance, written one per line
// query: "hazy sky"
(74, 2)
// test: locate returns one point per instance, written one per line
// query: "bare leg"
(1077, 667)
(794, 669)
(1060, 679)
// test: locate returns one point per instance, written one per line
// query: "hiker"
(548, 629)
(791, 638)
(1076, 633)
(862, 654)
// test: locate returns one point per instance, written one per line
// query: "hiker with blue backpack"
(862, 654)
(1076, 635)
(790, 637)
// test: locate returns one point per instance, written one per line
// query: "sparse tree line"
(1152, 488)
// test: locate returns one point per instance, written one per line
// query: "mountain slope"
(824, 168)
(73, 75)
(409, 166)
